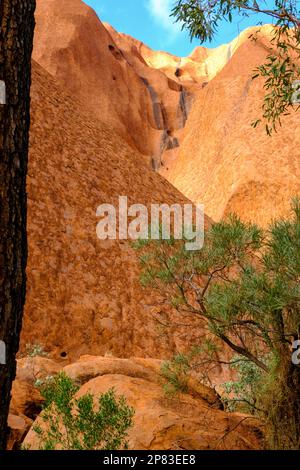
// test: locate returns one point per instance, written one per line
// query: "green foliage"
(244, 282)
(281, 70)
(244, 287)
(200, 359)
(244, 393)
(25, 447)
(175, 372)
(202, 18)
(70, 423)
(35, 350)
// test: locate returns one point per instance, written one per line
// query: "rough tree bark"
(16, 37)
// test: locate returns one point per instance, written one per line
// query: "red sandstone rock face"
(109, 75)
(145, 96)
(183, 70)
(218, 159)
(84, 295)
(226, 164)
(100, 105)
(171, 95)
(17, 428)
(73, 45)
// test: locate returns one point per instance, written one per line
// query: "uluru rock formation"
(100, 100)
(111, 117)
(146, 97)
(84, 294)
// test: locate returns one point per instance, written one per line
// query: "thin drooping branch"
(243, 352)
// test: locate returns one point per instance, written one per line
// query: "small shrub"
(72, 424)
(199, 361)
(35, 350)
(175, 372)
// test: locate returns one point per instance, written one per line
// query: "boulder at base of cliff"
(184, 421)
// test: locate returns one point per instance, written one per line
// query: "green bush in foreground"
(71, 423)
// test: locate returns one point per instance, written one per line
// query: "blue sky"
(149, 21)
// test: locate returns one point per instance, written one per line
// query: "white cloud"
(160, 10)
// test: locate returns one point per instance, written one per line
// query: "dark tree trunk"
(16, 37)
(283, 410)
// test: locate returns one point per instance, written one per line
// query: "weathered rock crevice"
(158, 110)
(165, 123)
